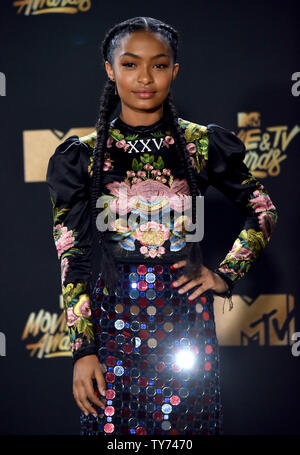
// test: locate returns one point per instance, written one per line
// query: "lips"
(144, 94)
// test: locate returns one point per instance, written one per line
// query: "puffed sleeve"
(228, 173)
(67, 179)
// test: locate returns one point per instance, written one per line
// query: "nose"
(145, 75)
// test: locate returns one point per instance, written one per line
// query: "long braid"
(193, 267)
(108, 102)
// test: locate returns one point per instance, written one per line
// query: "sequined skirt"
(160, 356)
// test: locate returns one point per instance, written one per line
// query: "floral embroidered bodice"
(142, 174)
(143, 178)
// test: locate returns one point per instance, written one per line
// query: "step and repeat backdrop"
(239, 68)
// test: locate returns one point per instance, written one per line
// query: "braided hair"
(108, 102)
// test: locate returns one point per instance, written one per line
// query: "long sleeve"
(67, 179)
(228, 173)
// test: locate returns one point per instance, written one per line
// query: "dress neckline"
(138, 128)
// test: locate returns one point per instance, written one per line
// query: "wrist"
(223, 284)
(86, 349)
(228, 281)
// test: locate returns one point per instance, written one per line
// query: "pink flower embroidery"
(191, 147)
(152, 252)
(107, 165)
(84, 308)
(266, 223)
(153, 191)
(162, 179)
(136, 180)
(261, 202)
(64, 238)
(109, 142)
(148, 167)
(242, 253)
(71, 317)
(168, 140)
(122, 203)
(122, 144)
(155, 172)
(76, 345)
(230, 271)
(64, 268)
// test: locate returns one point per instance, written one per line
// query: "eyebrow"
(130, 54)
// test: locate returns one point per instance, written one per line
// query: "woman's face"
(143, 61)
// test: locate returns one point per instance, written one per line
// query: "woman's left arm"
(228, 173)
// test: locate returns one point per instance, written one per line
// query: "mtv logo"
(39, 145)
(248, 119)
(268, 320)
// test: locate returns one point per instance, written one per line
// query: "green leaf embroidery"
(160, 163)
(135, 164)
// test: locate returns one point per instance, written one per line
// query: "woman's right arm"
(68, 182)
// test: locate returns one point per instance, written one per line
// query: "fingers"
(78, 402)
(197, 292)
(81, 400)
(201, 281)
(178, 264)
(100, 382)
(191, 284)
(184, 279)
(81, 394)
(91, 394)
(181, 280)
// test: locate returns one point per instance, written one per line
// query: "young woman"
(143, 338)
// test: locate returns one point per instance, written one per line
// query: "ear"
(175, 70)
(109, 70)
